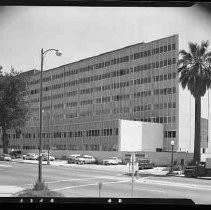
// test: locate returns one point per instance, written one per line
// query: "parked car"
(72, 158)
(5, 157)
(145, 164)
(112, 161)
(30, 156)
(45, 157)
(85, 159)
(16, 154)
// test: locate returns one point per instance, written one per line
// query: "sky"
(81, 32)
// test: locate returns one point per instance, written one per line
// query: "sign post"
(100, 184)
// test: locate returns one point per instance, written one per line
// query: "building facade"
(82, 101)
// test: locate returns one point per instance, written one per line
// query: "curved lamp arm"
(58, 52)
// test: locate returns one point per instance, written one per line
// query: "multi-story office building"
(82, 101)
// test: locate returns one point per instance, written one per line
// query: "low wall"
(204, 156)
(158, 158)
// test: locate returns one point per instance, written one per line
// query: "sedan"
(30, 156)
(112, 161)
(145, 164)
(85, 159)
(72, 158)
(5, 157)
(45, 157)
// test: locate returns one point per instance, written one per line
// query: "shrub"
(40, 186)
(38, 193)
(38, 190)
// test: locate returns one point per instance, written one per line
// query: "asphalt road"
(75, 181)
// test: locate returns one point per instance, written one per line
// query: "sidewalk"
(7, 191)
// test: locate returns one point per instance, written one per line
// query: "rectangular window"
(169, 91)
(174, 75)
(173, 46)
(169, 105)
(169, 47)
(165, 48)
(165, 62)
(153, 65)
(145, 53)
(145, 66)
(161, 63)
(161, 49)
(169, 61)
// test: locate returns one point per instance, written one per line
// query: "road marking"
(67, 180)
(85, 185)
(145, 189)
(183, 185)
(81, 179)
(6, 166)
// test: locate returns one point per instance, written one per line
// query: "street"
(79, 181)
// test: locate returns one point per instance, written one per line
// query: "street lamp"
(172, 147)
(43, 53)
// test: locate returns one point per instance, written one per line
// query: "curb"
(27, 162)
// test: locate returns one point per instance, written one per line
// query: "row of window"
(145, 93)
(142, 108)
(121, 110)
(88, 147)
(109, 87)
(69, 134)
(165, 105)
(83, 69)
(163, 63)
(165, 77)
(165, 119)
(76, 134)
(106, 99)
(154, 51)
(170, 134)
(165, 91)
(120, 72)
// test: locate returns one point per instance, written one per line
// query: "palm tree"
(194, 68)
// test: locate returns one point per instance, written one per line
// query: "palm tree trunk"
(5, 141)
(197, 140)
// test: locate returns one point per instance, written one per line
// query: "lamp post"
(43, 53)
(133, 158)
(172, 148)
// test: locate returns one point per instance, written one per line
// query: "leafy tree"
(13, 106)
(195, 74)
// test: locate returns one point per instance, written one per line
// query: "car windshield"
(107, 100)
